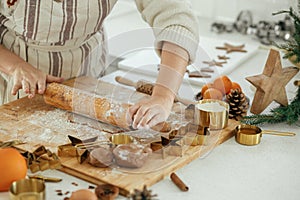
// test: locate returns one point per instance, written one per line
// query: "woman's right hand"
(30, 79)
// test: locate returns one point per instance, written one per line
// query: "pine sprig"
(289, 114)
(292, 47)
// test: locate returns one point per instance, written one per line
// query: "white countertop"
(268, 171)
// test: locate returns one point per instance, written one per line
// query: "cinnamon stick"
(178, 182)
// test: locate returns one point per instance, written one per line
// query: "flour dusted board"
(146, 61)
(36, 123)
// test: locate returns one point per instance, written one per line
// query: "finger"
(131, 112)
(32, 91)
(50, 79)
(155, 120)
(144, 123)
(16, 87)
(25, 86)
(41, 86)
(139, 115)
(128, 118)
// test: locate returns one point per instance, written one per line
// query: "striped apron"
(63, 38)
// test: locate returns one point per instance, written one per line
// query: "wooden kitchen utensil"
(146, 88)
(94, 99)
(77, 99)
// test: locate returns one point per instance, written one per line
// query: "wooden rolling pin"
(146, 88)
(90, 105)
(85, 103)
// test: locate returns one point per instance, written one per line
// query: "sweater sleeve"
(172, 21)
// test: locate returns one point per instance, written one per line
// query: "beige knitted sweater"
(173, 21)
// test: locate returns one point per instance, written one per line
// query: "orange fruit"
(12, 167)
(212, 93)
(205, 87)
(235, 85)
(83, 194)
(223, 83)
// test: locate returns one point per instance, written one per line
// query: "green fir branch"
(292, 47)
(289, 114)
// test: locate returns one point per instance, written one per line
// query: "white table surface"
(268, 171)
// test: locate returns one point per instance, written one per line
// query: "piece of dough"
(131, 155)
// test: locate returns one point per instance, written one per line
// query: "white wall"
(227, 10)
(125, 17)
(223, 10)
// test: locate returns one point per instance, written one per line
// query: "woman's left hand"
(150, 112)
(147, 113)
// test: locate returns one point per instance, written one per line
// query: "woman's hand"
(30, 79)
(147, 113)
(24, 75)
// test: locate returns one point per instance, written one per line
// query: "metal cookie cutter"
(115, 139)
(251, 135)
(27, 189)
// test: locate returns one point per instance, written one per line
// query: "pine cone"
(144, 194)
(238, 104)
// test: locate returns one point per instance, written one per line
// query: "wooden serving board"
(34, 122)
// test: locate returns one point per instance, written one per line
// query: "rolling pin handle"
(183, 101)
(125, 81)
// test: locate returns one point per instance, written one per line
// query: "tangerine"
(212, 93)
(205, 87)
(12, 167)
(223, 83)
(235, 85)
(83, 194)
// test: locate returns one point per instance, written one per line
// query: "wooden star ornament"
(270, 85)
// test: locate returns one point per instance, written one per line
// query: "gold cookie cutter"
(27, 189)
(251, 134)
(115, 139)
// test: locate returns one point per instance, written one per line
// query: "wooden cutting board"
(36, 123)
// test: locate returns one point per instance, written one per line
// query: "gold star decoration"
(270, 85)
(214, 63)
(230, 48)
